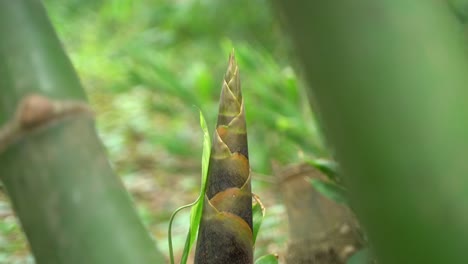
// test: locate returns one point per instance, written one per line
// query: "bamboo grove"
(225, 234)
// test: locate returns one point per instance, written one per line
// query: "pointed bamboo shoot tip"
(232, 57)
(232, 54)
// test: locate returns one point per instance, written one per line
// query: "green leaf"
(330, 190)
(267, 259)
(360, 257)
(328, 167)
(258, 213)
(197, 209)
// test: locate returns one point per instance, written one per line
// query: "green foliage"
(327, 167)
(164, 61)
(197, 209)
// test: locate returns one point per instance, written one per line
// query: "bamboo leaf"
(196, 212)
(258, 213)
(328, 167)
(197, 205)
(267, 259)
(330, 190)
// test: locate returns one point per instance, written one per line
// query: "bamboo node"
(35, 111)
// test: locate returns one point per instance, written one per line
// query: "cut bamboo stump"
(321, 231)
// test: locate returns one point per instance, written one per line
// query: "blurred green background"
(147, 66)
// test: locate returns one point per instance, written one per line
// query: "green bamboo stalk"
(71, 205)
(390, 81)
(225, 234)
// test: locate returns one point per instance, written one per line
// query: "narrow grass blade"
(197, 206)
(258, 213)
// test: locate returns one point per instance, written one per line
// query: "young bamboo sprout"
(225, 234)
